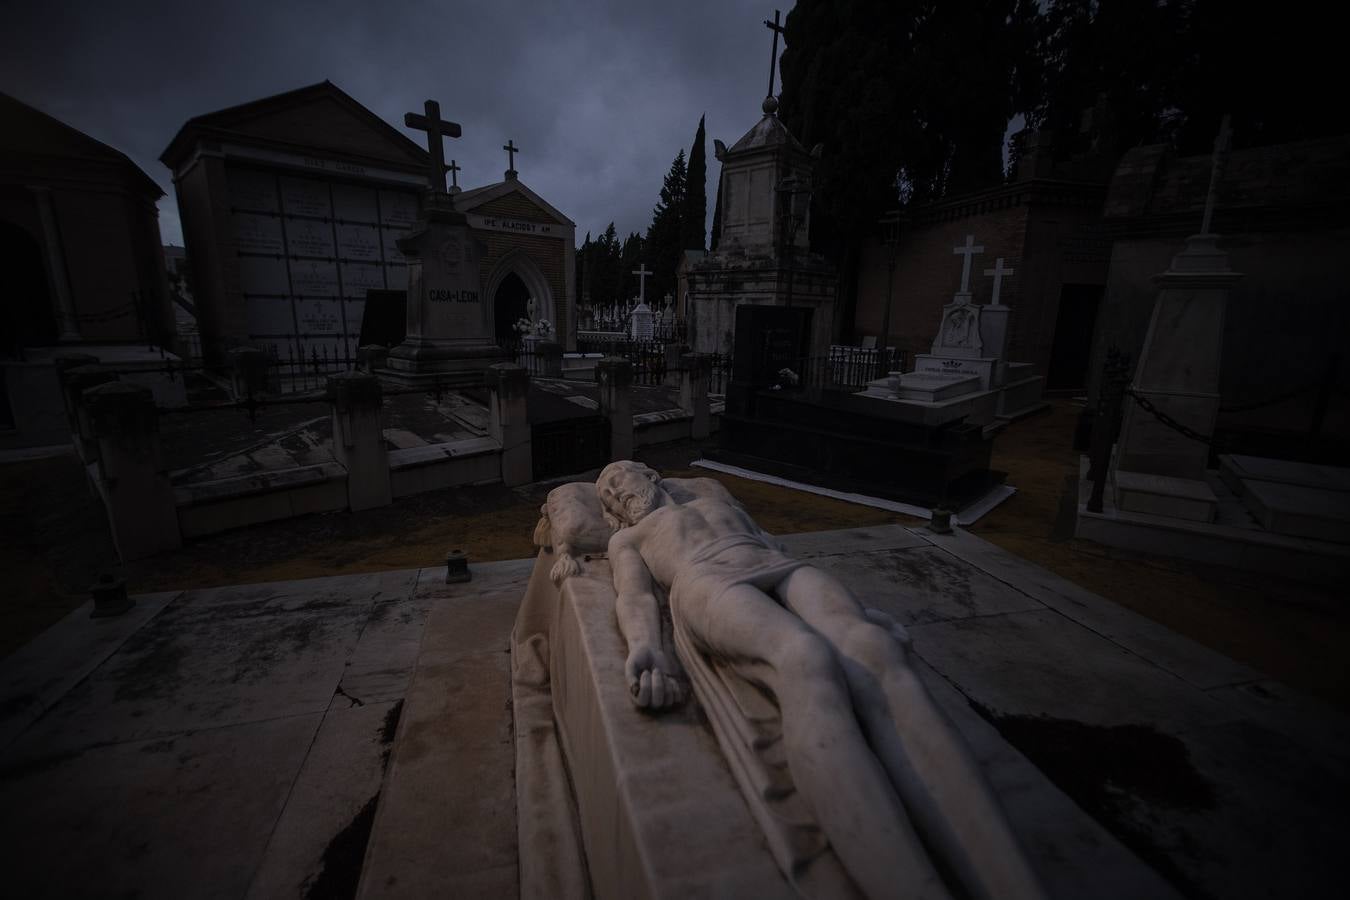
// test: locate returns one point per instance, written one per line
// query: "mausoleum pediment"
(510, 199)
(321, 116)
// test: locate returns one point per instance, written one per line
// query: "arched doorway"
(26, 315)
(514, 279)
(510, 304)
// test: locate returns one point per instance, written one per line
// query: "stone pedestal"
(550, 355)
(371, 357)
(450, 324)
(695, 369)
(249, 368)
(508, 421)
(615, 377)
(74, 382)
(358, 438)
(1178, 373)
(131, 474)
(994, 330)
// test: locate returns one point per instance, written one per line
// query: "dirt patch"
(1121, 775)
(344, 857)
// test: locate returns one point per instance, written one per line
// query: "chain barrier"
(1184, 430)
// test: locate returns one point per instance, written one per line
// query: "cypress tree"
(695, 214)
(663, 236)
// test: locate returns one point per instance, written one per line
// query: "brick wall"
(927, 274)
(513, 206)
(1040, 229)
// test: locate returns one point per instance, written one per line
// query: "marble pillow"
(572, 522)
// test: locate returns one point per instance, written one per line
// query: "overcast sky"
(598, 95)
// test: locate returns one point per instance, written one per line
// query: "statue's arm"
(649, 671)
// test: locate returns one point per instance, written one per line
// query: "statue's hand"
(651, 679)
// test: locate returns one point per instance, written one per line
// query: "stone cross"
(773, 55)
(968, 250)
(641, 272)
(1222, 144)
(454, 174)
(997, 272)
(511, 151)
(435, 127)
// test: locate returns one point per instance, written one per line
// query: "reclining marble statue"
(822, 720)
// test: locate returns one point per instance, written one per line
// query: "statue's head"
(628, 491)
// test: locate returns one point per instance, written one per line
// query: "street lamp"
(890, 236)
(794, 199)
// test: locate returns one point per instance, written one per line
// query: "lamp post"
(794, 193)
(890, 236)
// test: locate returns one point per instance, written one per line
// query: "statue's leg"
(829, 759)
(937, 777)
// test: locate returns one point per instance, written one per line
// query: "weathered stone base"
(1233, 541)
(643, 785)
(1162, 495)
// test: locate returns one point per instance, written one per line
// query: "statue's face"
(628, 491)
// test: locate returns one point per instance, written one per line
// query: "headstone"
(994, 317)
(959, 334)
(641, 323)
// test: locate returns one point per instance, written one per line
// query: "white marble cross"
(968, 250)
(641, 272)
(997, 272)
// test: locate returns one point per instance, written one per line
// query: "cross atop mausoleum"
(436, 128)
(770, 102)
(511, 151)
(968, 250)
(997, 273)
(453, 169)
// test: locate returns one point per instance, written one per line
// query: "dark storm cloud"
(600, 96)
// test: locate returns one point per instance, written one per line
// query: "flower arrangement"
(542, 328)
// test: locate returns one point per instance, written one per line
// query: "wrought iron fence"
(855, 366)
(850, 370)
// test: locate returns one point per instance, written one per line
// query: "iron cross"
(773, 55)
(642, 272)
(511, 151)
(435, 127)
(454, 173)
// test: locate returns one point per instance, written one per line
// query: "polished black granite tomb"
(835, 438)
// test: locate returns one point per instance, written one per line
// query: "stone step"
(1292, 509)
(1235, 469)
(1164, 495)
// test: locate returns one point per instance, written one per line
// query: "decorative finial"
(770, 106)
